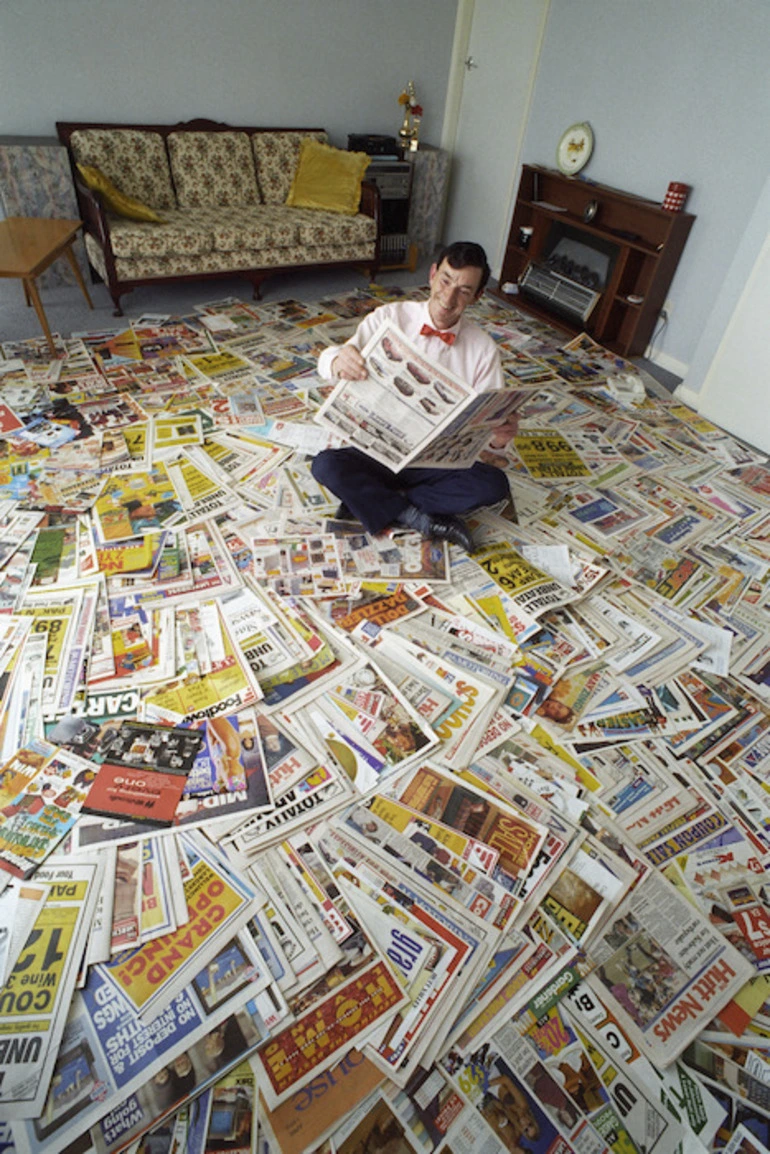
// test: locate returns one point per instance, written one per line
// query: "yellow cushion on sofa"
(328, 178)
(115, 200)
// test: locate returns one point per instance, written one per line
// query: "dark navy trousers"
(376, 495)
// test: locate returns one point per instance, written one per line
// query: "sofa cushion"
(265, 224)
(276, 155)
(133, 159)
(212, 169)
(328, 178)
(139, 268)
(115, 200)
(188, 231)
(195, 231)
(318, 227)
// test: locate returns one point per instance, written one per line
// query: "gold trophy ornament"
(409, 131)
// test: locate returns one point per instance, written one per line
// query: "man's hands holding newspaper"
(349, 364)
(502, 433)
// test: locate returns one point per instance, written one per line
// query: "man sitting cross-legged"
(429, 501)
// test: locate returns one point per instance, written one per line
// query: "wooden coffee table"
(28, 245)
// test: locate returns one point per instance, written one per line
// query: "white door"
(487, 112)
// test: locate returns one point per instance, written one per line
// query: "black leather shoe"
(450, 529)
(344, 514)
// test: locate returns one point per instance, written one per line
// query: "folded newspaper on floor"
(411, 411)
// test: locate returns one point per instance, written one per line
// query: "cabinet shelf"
(645, 241)
(594, 230)
(623, 300)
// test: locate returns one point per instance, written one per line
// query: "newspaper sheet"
(663, 970)
(654, 1104)
(405, 403)
(37, 992)
(117, 1076)
(219, 904)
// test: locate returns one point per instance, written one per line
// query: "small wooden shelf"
(648, 242)
(595, 230)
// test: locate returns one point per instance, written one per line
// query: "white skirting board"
(670, 364)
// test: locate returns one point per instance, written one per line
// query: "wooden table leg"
(78, 275)
(31, 290)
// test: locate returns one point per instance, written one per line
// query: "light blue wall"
(673, 91)
(338, 64)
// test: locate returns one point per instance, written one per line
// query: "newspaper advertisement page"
(554, 954)
(400, 407)
(533, 591)
(428, 959)
(658, 1106)
(745, 1141)
(118, 1076)
(545, 1071)
(358, 1007)
(469, 886)
(548, 455)
(37, 992)
(663, 970)
(512, 1109)
(459, 445)
(219, 903)
(731, 1070)
(503, 842)
(459, 937)
(42, 792)
(437, 1117)
(297, 1128)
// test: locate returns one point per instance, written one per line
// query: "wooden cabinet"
(645, 240)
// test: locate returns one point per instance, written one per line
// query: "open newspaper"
(411, 411)
(663, 970)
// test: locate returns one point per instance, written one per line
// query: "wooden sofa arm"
(92, 212)
(95, 222)
(371, 202)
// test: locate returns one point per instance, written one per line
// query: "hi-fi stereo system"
(393, 177)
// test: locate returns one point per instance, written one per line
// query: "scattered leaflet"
(20, 903)
(117, 1075)
(590, 686)
(532, 591)
(42, 792)
(652, 1102)
(145, 773)
(663, 970)
(36, 995)
(218, 903)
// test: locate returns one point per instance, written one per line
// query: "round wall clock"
(575, 148)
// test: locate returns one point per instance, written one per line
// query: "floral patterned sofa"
(221, 191)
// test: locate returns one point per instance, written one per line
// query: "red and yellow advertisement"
(332, 1026)
(211, 901)
(514, 838)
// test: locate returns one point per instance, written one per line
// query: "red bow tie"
(447, 338)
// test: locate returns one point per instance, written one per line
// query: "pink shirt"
(473, 357)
